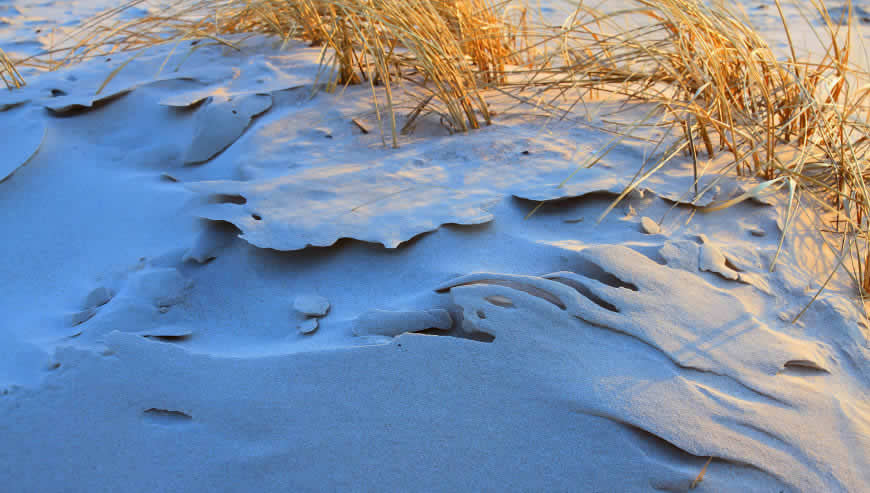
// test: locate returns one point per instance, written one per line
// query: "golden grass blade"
(700, 476)
(792, 201)
(643, 178)
(117, 70)
(840, 258)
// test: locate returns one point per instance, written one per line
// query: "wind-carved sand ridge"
(315, 205)
(653, 360)
(20, 141)
(698, 328)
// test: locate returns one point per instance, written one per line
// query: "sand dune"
(214, 279)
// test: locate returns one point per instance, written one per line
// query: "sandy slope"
(159, 245)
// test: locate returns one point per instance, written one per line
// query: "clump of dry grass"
(445, 48)
(380, 42)
(715, 82)
(719, 85)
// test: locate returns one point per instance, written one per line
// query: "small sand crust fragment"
(806, 365)
(757, 232)
(168, 332)
(68, 103)
(207, 244)
(221, 121)
(20, 141)
(308, 326)
(649, 226)
(311, 305)
(712, 260)
(161, 287)
(98, 297)
(499, 300)
(393, 323)
(81, 317)
(681, 254)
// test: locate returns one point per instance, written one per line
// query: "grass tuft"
(721, 88)
(446, 49)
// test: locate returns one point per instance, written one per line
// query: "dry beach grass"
(9, 73)
(716, 86)
(560, 271)
(794, 123)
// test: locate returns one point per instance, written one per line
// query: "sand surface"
(214, 280)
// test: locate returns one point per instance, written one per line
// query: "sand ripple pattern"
(713, 374)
